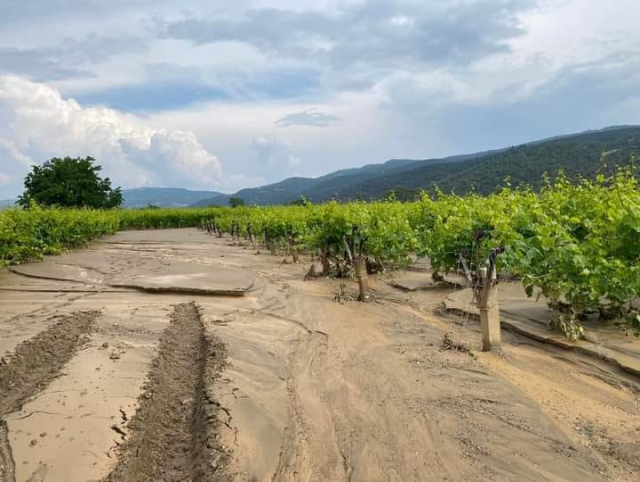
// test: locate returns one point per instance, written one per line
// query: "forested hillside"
(581, 154)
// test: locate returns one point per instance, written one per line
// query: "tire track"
(32, 366)
(173, 436)
(7, 465)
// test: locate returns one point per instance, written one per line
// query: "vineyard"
(290, 342)
(577, 243)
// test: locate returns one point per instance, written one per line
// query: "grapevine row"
(578, 243)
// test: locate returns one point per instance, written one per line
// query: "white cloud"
(310, 117)
(406, 78)
(273, 153)
(9, 149)
(37, 123)
(561, 41)
(365, 134)
(4, 179)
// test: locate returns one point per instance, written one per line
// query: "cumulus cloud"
(9, 150)
(310, 117)
(408, 78)
(272, 153)
(37, 123)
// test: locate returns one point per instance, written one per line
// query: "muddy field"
(172, 355)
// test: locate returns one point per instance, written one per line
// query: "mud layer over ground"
(31, 367)
(173, 434)
(286, 384)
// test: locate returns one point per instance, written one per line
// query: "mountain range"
(166, 197)
(582, 154)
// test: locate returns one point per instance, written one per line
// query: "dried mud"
(32, 366)
(284, 384)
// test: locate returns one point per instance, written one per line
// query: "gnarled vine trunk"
(324, 259)
(363, 279)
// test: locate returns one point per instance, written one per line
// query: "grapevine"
(578, 244)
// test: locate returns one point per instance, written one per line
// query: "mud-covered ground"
(125, 362)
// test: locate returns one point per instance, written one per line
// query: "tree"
(234, 201)
(70, 182)
(301, 201)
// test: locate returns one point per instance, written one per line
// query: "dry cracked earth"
(174, 356)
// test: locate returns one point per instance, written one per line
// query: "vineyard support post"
(490, 311)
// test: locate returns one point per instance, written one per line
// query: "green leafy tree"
(69, 182)
(301, 201)
(234, 201)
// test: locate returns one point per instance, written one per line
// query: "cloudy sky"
(224, 95)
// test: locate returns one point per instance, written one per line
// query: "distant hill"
(220, 199)
(7, 203)
(167, 197)
(576, 154)
(323, 188)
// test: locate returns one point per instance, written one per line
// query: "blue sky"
(225, 95)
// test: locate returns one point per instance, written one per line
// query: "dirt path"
(286, 384)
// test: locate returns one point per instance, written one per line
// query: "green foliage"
(402, 194)
(301, 201)
(578, 243)
(30, 234)
(581, 242)
(69, 183)
(234, 201)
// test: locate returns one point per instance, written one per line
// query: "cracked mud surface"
(285, 384)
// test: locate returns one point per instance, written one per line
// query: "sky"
(225, 95)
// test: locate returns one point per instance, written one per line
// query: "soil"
(32, 366)
(172, 436)
(284, 383)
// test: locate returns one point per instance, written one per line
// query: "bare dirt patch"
(32, 366)
(173, 434)
(311, 390)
